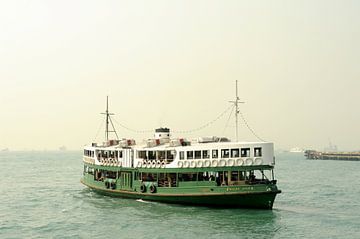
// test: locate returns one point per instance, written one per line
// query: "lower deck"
(238, 187)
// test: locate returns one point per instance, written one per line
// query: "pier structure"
(345, 156)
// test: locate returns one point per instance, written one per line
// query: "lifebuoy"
(180, 164)
(230, 163)
(207, 163)
(142, 188)
(139, 164)
(163, 164)
(239, 162)
(222, 163)
(258, 161)
(249, 161)
(199, 164)
(192, 164)
(186, 164)
(153, 188)
(214, 163)
(158, 163)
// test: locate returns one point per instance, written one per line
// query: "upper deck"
(163, 152)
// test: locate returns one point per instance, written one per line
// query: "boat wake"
(140, 200)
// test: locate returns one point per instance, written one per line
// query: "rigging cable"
(248, 126)
(133, 130)
(176, 131)
(98, 131)
(227, 123)
(205, 125)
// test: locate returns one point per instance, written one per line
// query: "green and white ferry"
(209, 171)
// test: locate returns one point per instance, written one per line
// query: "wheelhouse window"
(182, 155)
(234, 153)
(170, 154)
(206, 154)
(225, 153)
(120, 154)
(245, 152)
(161, 155)
(189, 154)
(152, 154)
(215, 154)
(142, 154)
(257, 152)
(197, 154)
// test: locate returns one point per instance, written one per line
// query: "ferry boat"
(208, 171)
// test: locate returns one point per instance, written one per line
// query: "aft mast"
(236, 103)
(108, 120)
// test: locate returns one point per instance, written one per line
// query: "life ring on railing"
(239, 162)
(158, 164)
(152, 188)
(163, 164)
(107, 184)
(153, 164)
(192, 164)
(248, 161)
(230, 163)
(186, 164)
(142, 188)
(119, 164)
(148, 165)
(113, 185)
(258, 161)
(222, 163)
(214, 163)
(207, 163)
(199, 164)
(180, 164)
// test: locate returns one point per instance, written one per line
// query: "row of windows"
(88, 153)
(110, 154)
(161, 154)
(224, 153)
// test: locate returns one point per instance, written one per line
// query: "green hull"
(229, 196)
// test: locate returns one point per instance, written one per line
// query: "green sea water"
(41, 197)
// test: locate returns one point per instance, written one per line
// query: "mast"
(236, 104)
(108, 119)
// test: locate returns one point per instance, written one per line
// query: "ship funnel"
(162, 133)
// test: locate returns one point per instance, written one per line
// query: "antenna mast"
(236, 104)
(108, 119)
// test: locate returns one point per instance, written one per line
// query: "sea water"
(41, 197)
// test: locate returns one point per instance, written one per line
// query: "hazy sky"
(174, 64)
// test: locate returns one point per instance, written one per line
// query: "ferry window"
(257, 152)
(206, 154)
(189, 154)
(120, 154)
(152, 154)
(183, 177)
(161, 154)
(245, 152)
(215, 154)
(182, 155)
(198, 154)
(142, 154)
(234, 153)
(224, 153)
(170, 154)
